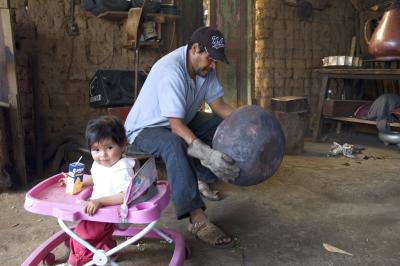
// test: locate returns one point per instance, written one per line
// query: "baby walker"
(49, 198)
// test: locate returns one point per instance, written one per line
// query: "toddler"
(110, 176)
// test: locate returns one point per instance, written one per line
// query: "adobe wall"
(288, 47)
(65, 64)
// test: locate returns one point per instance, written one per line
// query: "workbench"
(348, 74)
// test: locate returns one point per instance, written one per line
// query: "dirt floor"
(352, 204)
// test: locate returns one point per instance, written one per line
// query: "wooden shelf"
(121, 15)
(348, 74)
(357, 120)
(150, 44)
(359, 73)
(4, 104)
(113, 15)
(161, 15)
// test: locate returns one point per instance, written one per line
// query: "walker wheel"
(188, 253)
(50, 259)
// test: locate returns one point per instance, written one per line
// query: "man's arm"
(180, 129)
(220, 108)
(220, 164)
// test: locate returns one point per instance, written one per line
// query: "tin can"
(75, 178)
(149, 31)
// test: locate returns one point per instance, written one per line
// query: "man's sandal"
(209, 233)
(207, 192)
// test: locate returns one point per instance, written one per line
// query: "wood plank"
(113, 15)
(192, 18)
(318, 122)
(3, 67)
(4, 105)
(231, 18)
(170, 17)
(358, 73)
(149, 44)
(121, 15)
(359, 121)
(4, 4)
(353, 46)
(17, 130)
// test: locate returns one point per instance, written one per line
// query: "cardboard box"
(341, 107)
(289, 104)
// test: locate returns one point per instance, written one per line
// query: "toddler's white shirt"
(109, 181)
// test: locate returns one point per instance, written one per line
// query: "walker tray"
(49, 198)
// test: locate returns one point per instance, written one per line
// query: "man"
(165, 121)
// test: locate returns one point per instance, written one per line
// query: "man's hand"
(219, 163)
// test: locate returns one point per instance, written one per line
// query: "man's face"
(203, 63)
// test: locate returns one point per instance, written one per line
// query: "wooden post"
(17, 131)
(4, 148)
(4, 4)
(318, 118)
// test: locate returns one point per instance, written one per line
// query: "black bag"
(99, 6)
(114, 87)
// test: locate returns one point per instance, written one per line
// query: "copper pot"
(384, 43)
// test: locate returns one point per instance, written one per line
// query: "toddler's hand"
(63, 180)
(92, 206)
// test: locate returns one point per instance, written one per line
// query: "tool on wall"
(371, 5)
(133, 28)
(382, 6)
(305, 7)
(72, 26)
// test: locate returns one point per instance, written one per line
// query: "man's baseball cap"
(213, 40)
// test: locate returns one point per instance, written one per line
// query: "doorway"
(235, 19)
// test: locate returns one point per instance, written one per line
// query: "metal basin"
(390, 138)
(254, 139)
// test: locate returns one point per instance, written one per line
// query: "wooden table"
(350, 74)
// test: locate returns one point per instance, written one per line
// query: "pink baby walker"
(48, 198)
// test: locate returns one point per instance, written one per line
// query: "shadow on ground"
(353, 204)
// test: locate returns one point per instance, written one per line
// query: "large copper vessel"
(384, 43)
(254, 139)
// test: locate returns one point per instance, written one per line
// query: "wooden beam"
(17, 131)
(4, 4)
(4, 105)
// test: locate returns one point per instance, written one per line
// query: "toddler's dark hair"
(105, 127)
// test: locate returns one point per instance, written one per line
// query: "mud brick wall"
(65, 64)
(289, 47)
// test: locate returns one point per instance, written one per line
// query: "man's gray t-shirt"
(170, 92)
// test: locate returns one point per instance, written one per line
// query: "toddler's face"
(106, 152)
